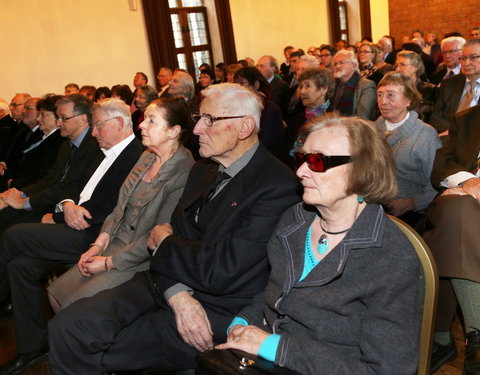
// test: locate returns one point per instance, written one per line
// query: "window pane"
(343, 17)
(201, 57)
(172, 3)
(177, 31)
(182, 62)
(198, 29)
(344, 37)
(192, 3)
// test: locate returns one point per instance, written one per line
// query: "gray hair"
(234, 99)
(311, 61)
(115, 107)
(460, 41)
(350, 55)
(273, 61)
(187, 83)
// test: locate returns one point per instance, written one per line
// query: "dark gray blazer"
(336, 320)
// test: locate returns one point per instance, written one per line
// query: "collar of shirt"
(240, 163)
(78, 141)
(118, 148)
(271, 79)
(34, 129)
(455, 70)
(392, 126)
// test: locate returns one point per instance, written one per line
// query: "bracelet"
(106, 265)
(96, 244)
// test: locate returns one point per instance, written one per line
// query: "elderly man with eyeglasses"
(461, 91)
(29, 251)
(452, 51)
(207, 263)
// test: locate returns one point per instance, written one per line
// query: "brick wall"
(439, 16)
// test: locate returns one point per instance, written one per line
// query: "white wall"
(49, 43)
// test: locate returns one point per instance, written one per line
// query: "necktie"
(69, 161)
(221, 176)
(468, 97)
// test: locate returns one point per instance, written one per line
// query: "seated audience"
(271, 126)
(428, 63)
(453, 238)
(29, 251)
(76, 162)
(147, 197)
(37, 159)
(143, 96)
(461, 91)
(163, 77)
(220, 73)
(214, 246)
(102, 93)
(88, 91)
(367, 57)
(410, 64)
(268, 66)
(354, 95)
(316, 87)
(122, 92)
(451, 49)
(326, 55)
(140, 79)
(343, 276)
(413, 143)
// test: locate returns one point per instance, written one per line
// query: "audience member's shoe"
(471, 365)
(442, 354)
(6, 310)
(23, 361)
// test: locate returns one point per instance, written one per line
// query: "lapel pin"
(234, 204)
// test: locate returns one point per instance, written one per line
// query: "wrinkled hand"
(13, 198)
(75, 216)
(48, 219)
(96, 265)
(398, 207)
(249, 339)
(158, 234)
(454, 191)
(192, 321)
(472, 187)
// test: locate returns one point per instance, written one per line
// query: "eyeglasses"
(15, 105)
(320, 163)
(325, 54)
(208, 119)
(65, 119)
(29, 108)
(99, 124)
(450, 51)
(472, 58)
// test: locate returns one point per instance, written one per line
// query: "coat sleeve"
(438, 119)
(367, 101)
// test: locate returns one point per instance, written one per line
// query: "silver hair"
(115, 107)
(310, 60)
(350, 55)
(187, 83)
(460, 41)
(234, 99)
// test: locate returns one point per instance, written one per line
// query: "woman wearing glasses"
(147, 197)
(39, 157)
(342, 294)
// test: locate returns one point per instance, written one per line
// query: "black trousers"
(125, 328)
(27, 253)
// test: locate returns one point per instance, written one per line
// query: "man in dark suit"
(7, 125)
(461, 91)
(453, 238)
(390, 54)
(451, 51)
(76, 162)
(268, 66)
(207, 263)
(29, 251)
(163, 77)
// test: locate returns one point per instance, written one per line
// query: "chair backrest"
(429, 283)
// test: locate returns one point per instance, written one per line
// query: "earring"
(360, 199)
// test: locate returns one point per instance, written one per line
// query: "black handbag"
(234, 362)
